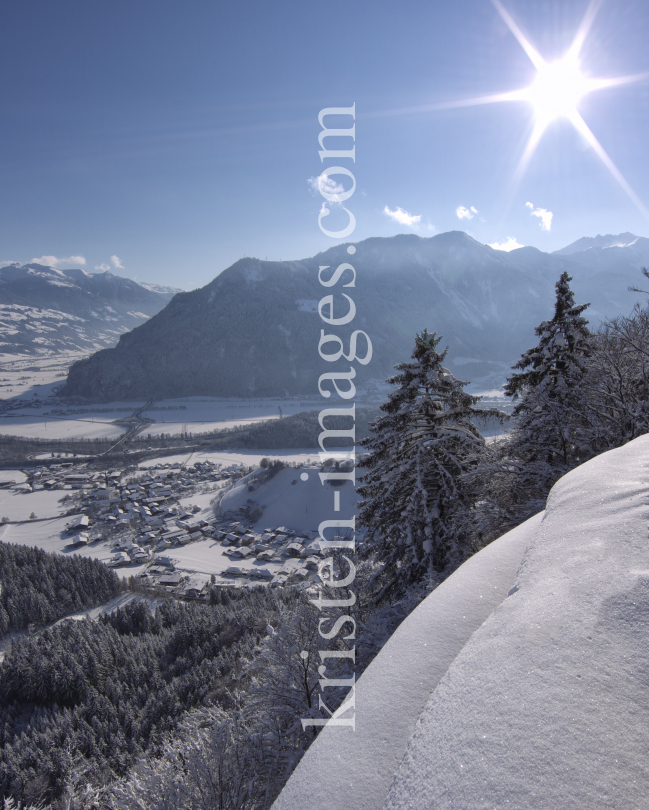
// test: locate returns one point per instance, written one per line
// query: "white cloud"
(102, 267)
(116, 262)
(7, 264)
(402, 217)
(509, 244)
(325, 185)
(544, 215)
(53, 261)
(465, 213)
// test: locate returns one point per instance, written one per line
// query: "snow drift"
(507, 689)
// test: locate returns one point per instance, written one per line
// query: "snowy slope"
(545, 705)
(44, 310)
(302, 505)
(395, 687)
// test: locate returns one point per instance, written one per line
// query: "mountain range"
(254, 329)
(44, 310)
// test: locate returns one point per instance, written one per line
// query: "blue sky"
(178, 137)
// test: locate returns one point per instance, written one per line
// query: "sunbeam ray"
(523, 163)
(582, 127)
(599, 84)
(584, 28)
(537, 60)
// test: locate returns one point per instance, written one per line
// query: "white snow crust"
(546, 703)
(393, 691)
(300, 505)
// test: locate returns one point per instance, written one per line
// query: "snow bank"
(395, 687)
(545, 703)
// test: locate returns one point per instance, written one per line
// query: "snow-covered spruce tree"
(411, 490)
(551, 426)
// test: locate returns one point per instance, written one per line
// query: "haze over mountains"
(254, 329)
(45, 310)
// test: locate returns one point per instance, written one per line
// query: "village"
(143, 517)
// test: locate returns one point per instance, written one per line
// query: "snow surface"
(49, 427)
(50, 536)
(394, 689)
(250, 458)
(545, 705)
(172, 416)
(302, 505)
(13, 475)
(18, 505)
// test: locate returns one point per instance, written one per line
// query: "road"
(136, 422)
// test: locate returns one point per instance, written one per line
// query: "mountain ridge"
(253, 330)
(44, 309)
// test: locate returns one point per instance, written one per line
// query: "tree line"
(38, 588)
(83, 701)
(434, 491)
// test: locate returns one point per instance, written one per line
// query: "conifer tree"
(418, 453)
(551, 426)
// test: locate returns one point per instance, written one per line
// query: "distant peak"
(600, 241)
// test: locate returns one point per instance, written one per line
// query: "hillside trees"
(37, 587)
(83, 701)
(578, 394)
(616, 388)
(550, 425)
(418, 453)
(552, 430)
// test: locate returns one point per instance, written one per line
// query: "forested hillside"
(301, 430)
(39, 588)
(81, 703)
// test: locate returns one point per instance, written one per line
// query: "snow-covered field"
(536, 699)
(12, 475)
(49, 535)
(26, 374)
(51, 427)
(175, 416)
(289, 500)
(200, 414)
(19, 505)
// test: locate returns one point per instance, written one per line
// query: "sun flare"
(556, 92)
(557, 89)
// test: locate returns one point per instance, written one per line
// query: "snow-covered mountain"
(254, 329)
(599, 241)
(521, 681)
(608, 256)
(160, 288)
(44, 310)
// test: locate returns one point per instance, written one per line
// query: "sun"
(555, 93)
(557, 90)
